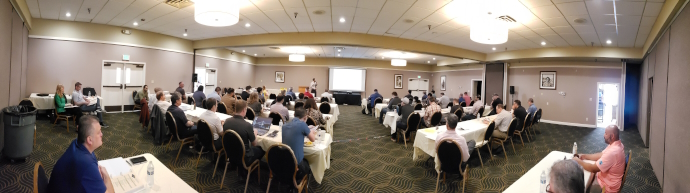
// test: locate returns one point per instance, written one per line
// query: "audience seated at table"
(61, 100)
(475, 109)
(246, 132)
(610, 163)
(409, 95)
(162, 104)
(566, 176)
(214, 123)
(185, 128)
(216, 94)
(429, 96)
(424, 95)
(77, 170)
(495, 100)
(415, 101)
(314, 113)
(245, 93)
(291, 93)
(78, 99)
(405, 110)
(279, 108)
(456, 105)
(429, 111)
(141, 94)
(372, 98)
(300, 98)
(466, 147)
(392, 105)
(444, 100)
(461, 99)
(254, 104)
(180, 89)
(308, 95)
(532, 108)
(502, 121)
(519, 112)
(260, 94)
(229, 100)
(467, 99)
(293, 134)
(433, 93)
(153, 98)
(199, 96)
(327, 95)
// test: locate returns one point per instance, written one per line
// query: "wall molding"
(231, 60)
(468, 69)
(567, 66)
(358, 67)
(569, 124)
(107, 42)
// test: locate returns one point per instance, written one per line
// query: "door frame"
(473, 87)
(618, 110)
(215, 83)
(124, 62)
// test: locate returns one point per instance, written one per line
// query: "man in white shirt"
(78, 99)
(214, 123)
(215, 95)
(502, 121)
(451, 123)
(312, 86)
(327, 95)
(473, 114)
(153, 99)
(162, 104)
(444, 100)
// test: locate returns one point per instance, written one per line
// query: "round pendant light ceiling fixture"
(398, 62)
(491, 23)
(296, 58)
(217, 13)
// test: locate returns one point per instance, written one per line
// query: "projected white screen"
(344, 79)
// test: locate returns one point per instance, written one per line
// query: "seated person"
(415, 101)
(610, 163)
(229, 100)
(409, 95)
(456, 106)
(185, 128)
(392, 105)
(314, 113)
(142, 94)
(429, 111)
(519, 113)
(153, 97)
(308, 95)
(301, 98)
(246, 132)
(444, 100)
(502, 121)
(214, 123)
(467, 99)
(260, 93)
(406, 110)
(566, 176)
(162, 104)
(461, 98)
(532, 108)
(424, 96)
(290, 93)
(372, 99)
(245, 93)
(77, 170)
(199, 96)
(465, 147)
(327, 95)
(216, 94)
(475, 110)
(254, 104)
(433, 93)
(279, 108)
(180, 89)
(78, 99)
(428, 97)
(495, 101)
(61, 100)
(293, 136)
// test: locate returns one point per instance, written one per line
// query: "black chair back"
(324, 99)
(472, 103)
(413, 121)
(436, 119)
(449, 105)
(418, 107)
(289, 98)
(449, 156)
(400, 109)
(273, 103)
(40, 179)
(203, 104)
(262, 101)
(222, 108)
(277, 118)
(171, 123)
(250, 114)
(299, 104)
(528, 121)
(537, 117)
(190, 101)
(489, 131)
(310, 121)
(27, 102)
(463, 104)
(234, 148)
(205, 135)
(272, 96)
(459, 112)
(282, 163)
(378, 100)
(134, 94)
(238, 97)
(325, 108)
(512, 127)
(481, 112)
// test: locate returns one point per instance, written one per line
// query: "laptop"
(262, 125)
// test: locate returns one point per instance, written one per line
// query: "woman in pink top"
(609, 165)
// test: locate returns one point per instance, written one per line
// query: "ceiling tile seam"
(308, 16)
(444, 5)
(396, 21)
(639, 25)
(142, 13)
(540, 19)
(352, 21)
(99, 11)
(451, 20)
(38, 4)
(274, 22)
(163, 16)
(75, 15)
(111, 19)
(262, 28)
(377, 17)
(291, 20)
(595, 27)
(59, 10)
(330, 6)
(571, 25)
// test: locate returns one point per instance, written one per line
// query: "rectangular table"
(330, 119)
(48, 102)
(164, 180)
(335, 111)
(391, 118)
(529, 182)
(487, 110)
(425, 141)
(349, 99)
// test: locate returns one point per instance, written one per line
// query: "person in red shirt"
(610, 163)
(308, 94)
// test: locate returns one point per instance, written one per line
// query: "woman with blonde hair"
(254, 104)
(264, 91)
(314, 113)
(61, 102)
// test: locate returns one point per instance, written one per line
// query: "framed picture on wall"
(398, 81)
(547, 80)
(443, 83)
(280, 76)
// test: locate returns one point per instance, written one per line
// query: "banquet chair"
(62, 117)
(412, 124)
(480, 113)
(262, 101)
(190, 101)
(250, 114)
(238, 97)
(324, 99)
(310, 121)
(518, 132)
(222, 108)
(418, 107)
(274, 102)
(299, 104)
(277, 118)
(234, 153)
(206, 139)
(459, 112)
(172, 125)
(487, 140)
(325, 108)
(449, 105)
(472, 103)
(203, 104)
(435, 119)
(136, 106)
(535, 121)
(463, 104)
(528, 126)
(283, 165)
(625, 174)
(40, 179)
(26, 102)
(449, 155)
(399, 109)
(378, 100)
(272, 96)
(511, 129)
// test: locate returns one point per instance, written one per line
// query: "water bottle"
(574, 148)
(149, 172)
(542, 182)
(89, 93)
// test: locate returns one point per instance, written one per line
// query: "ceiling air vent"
(506, 18)
(275, 48)
(179, 3)
(319, 12)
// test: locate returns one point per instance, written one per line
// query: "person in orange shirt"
(610, 163)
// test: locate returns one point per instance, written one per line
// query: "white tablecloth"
(329, 122)
(529, 182)
(364, 106)
(390, 120)
(378, 108)
(425, 141)
(164, 180)
(48, 102)
(167, 96)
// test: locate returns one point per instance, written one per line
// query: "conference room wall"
(579, 84)
(657, 133)
(384, 81)
(456, 82)
(295, 76)
(228, 73)
(53, 62)
(5, 52)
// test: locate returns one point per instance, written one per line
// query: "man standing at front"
(293, 136)
(78, 170)
(312, 86)
(609, 165)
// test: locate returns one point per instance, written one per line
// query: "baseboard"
(569, 124)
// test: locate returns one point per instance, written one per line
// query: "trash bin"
(19, 123)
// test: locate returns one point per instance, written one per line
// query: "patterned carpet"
(364, 159)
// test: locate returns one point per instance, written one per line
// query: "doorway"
(608, 95)
(119, 82)
(205, 77)
(476, 88)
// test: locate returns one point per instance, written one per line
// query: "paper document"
(116, 166)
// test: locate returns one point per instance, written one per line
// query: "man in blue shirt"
(78, 170)
(293, 135)
(199, 96)
(372, 99)
(289, 92)
(532, 108)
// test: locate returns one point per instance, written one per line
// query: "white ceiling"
(330, 51)
(549, 21)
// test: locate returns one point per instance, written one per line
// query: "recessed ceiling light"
(608, 41)
(433, 58)
(339, 50)
(382, 57)
(338, 54)
(342, 20)
(428, 61)
(254, 54)
(68, 14)
(242, 51)
(247, 25)
(494, 48)
(136, 24)
(185, 32)
(543, 43)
